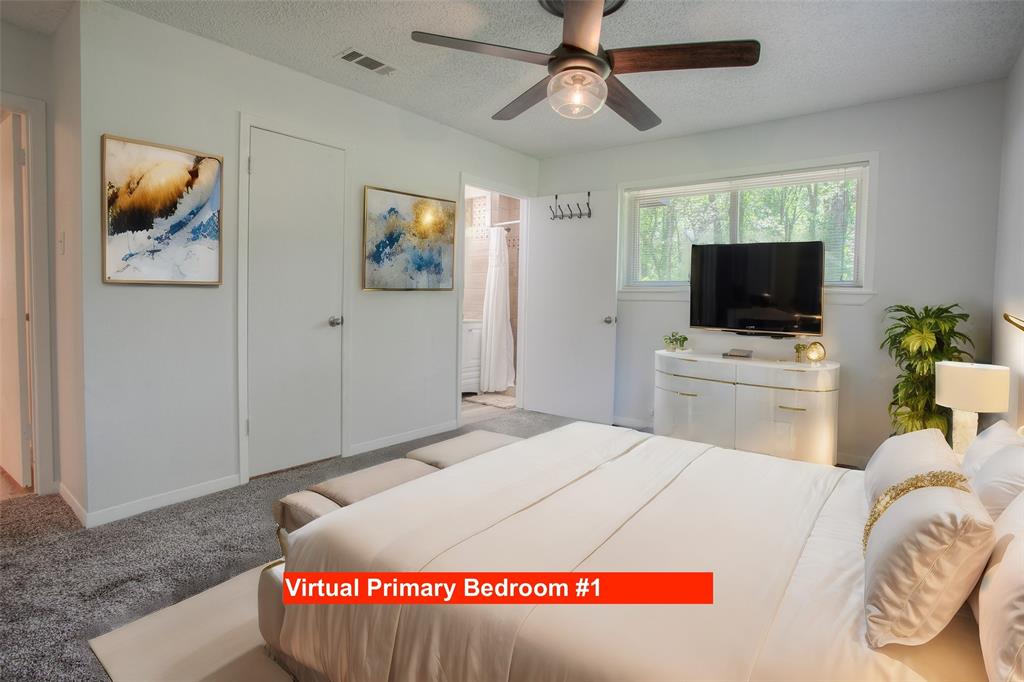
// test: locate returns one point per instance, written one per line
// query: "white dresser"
(786, 409)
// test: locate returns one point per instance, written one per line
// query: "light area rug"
(502, 400)
(213, 635)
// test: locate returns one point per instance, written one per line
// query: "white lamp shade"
(972, 387)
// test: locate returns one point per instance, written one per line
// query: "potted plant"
(916, 340)
(798, 351)
(675, 341)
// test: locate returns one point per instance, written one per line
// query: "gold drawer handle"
(792, 409)
(786, 369)
(686, 395)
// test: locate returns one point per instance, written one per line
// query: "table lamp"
(969, 388)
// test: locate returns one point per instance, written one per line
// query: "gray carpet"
(61, 585)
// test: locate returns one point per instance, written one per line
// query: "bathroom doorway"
(490, 303)
(26, 415)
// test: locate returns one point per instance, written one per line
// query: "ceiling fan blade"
(539, 58)
(685, 56)
(623, 102)
(582, 24)
(534, 95)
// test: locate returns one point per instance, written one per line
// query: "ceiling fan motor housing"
(570, 57)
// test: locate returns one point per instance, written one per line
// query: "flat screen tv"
(764, 289)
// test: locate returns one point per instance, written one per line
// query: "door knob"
(335, 321)
(608, 320)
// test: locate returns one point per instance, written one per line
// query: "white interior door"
(296, 219)
(15, 424)
(571, 309)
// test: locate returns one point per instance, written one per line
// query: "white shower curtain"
(497, 368)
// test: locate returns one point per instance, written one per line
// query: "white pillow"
(927, 549)
(987, 443)
(1001, 479)
(900, 457)
(1000, 603)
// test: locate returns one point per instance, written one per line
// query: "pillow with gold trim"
(926, 540)
(999, 606)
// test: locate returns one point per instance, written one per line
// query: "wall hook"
(561, 213)
(589, 214)
(579, 210)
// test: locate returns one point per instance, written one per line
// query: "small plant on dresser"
(675, 341)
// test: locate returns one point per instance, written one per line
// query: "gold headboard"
(1014, 320)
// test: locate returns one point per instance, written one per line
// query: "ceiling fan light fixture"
(577, 93)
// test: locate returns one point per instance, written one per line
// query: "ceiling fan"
(582, 75)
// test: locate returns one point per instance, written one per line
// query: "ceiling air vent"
(369, 63)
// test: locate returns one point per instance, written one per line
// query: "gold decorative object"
(1014, 320)
(815, 352)
(798, 352)
(931, 479)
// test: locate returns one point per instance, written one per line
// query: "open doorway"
(490, 305)
(16, 466)
(26, 321)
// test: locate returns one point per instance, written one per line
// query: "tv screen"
(771, 289)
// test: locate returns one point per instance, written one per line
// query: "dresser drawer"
(786, 423)
(697, 369)
(670, 382)
(817, 379)
(691, 409)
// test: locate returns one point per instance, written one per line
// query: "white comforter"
(782, 537)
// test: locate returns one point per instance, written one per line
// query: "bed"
(783, 539)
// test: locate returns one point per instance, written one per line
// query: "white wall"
(25, 68)
(160, 362)
(937, 190)
(1008, 342)
(66, 97)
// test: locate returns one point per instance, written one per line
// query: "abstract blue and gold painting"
(162, 213)
(408, 241)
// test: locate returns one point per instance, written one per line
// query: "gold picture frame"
(143, 229)
(410, 244)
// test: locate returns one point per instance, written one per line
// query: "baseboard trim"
(631, 422)
(122, 511)
(368, 445)
(73, 502)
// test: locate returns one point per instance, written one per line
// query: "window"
(825, 204)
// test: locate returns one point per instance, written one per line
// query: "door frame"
(40, 299)
(322, 137)
(465, 179)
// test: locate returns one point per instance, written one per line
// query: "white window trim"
(834, 294)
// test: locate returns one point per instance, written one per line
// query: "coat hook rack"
(576, 212)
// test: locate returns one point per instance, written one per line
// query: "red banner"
(498, 588)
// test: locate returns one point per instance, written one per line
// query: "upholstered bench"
(296, 510)
(458, 449)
